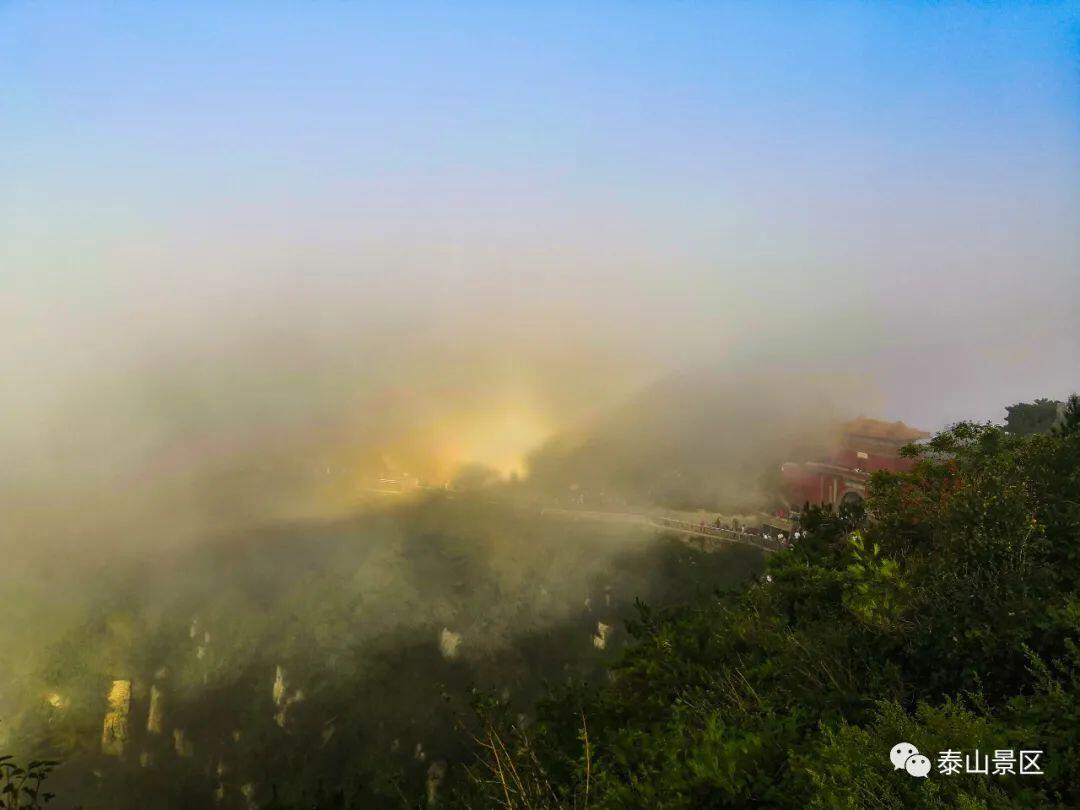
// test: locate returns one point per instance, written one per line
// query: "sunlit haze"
(353, 353)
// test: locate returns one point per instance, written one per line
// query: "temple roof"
(882, 430)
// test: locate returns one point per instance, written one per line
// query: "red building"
(863, 446)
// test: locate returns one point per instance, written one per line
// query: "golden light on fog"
(500, 440)
(497, 439)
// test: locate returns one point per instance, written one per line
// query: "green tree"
(1025, 418)
(1070, 416)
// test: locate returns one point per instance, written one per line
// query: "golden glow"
(500, 441)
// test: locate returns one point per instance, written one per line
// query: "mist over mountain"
(712, 438)
(348, 351)
(306, 651)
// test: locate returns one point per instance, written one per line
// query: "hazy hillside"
(709, 439)
(309, 651)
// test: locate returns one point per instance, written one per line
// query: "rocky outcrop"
(436, 772)
(115, 732)
(449, 643)
(599, 641)
(184, 747)
(155, 716)
(282, 700)
(278, 692)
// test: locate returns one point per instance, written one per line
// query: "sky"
(221, 220)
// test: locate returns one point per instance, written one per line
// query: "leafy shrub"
(21, 788)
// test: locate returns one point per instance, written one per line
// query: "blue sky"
(879, 184)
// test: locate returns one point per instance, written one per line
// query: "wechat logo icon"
(906, 757)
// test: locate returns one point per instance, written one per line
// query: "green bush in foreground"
(948, 616)
(21, 788)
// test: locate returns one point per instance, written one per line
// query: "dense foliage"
(946, 616)
(1025, 418)
(21, 788)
